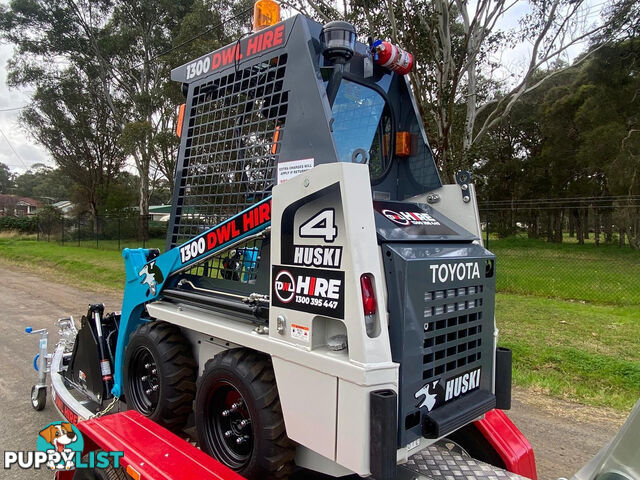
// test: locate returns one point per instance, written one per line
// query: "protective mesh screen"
(236, 122)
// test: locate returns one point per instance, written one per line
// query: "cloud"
(28, 151)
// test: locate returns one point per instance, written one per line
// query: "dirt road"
(564, 435)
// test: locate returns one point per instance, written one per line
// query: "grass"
(571, 337)
(606, 274)
(578, 351)
(92, 267)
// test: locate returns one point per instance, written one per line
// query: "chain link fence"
(577, 249)
(584, 249)
(106, 231)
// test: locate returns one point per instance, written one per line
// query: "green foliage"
(25, 224)
(6, 179)
(42, 183)
(49, 220)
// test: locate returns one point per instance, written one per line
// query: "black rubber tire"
(170, 352)
(251, 375)
(39, 398)
(476, 445)
(108, 473)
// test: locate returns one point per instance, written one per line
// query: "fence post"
(78, 229)
(118, 232)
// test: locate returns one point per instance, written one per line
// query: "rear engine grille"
(452, 330)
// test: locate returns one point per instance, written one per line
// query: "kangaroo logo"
(429, 398)
(152, 276)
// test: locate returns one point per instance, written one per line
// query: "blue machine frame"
(146, 277)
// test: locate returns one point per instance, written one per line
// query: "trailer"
(324, 302)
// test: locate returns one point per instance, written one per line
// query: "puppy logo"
(63, 439)
(152, 276)
(429, 398)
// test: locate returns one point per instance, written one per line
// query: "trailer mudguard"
(509, 442)
(147, 274)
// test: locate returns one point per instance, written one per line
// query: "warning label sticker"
(300, 332)
(288, 170)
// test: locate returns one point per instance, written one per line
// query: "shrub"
(20, 224)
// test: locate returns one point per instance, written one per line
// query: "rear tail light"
(369, 302)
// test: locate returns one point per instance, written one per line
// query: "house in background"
(65, 207)
(160, 213)
(13, 205)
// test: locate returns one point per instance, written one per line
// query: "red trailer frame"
(150, 451)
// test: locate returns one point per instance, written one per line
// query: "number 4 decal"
(322, 225)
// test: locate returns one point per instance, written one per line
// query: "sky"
(20, 151)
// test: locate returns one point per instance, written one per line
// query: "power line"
(201, 34)
(12, 108)
(14, 150)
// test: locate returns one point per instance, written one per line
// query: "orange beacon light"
(265, 14)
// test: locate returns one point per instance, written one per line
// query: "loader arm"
(146, 275)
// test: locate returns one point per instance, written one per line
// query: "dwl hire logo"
(60, 447)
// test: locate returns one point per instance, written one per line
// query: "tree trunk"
(572, 225)
(585, 222)
(621, 237)
(607, 219)
(144, 204)
(580, 226)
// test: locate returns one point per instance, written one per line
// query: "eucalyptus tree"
(457, 46)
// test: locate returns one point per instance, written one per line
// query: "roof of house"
(62, 204)
(18, 199)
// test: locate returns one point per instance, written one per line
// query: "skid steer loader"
(324, 301)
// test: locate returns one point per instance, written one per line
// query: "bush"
(20, 224)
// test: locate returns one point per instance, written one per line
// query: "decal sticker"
(309, 290)
(449, 272)
(436, 393)
(300, 332)
(253, 45)
(409, 218)
(462, 384)
(321, 225)
(429, 396)
(412, 217)
(317, 256)
(151, 276)
(288, 170)
(226, 232)
(414, 444)
(288, 230)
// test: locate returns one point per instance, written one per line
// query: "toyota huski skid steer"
(324, 300)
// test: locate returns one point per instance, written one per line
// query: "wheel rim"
(144, 381)
(228, 426)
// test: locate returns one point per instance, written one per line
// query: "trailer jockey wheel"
(238, 416)
(38, 397)
(160, 373)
